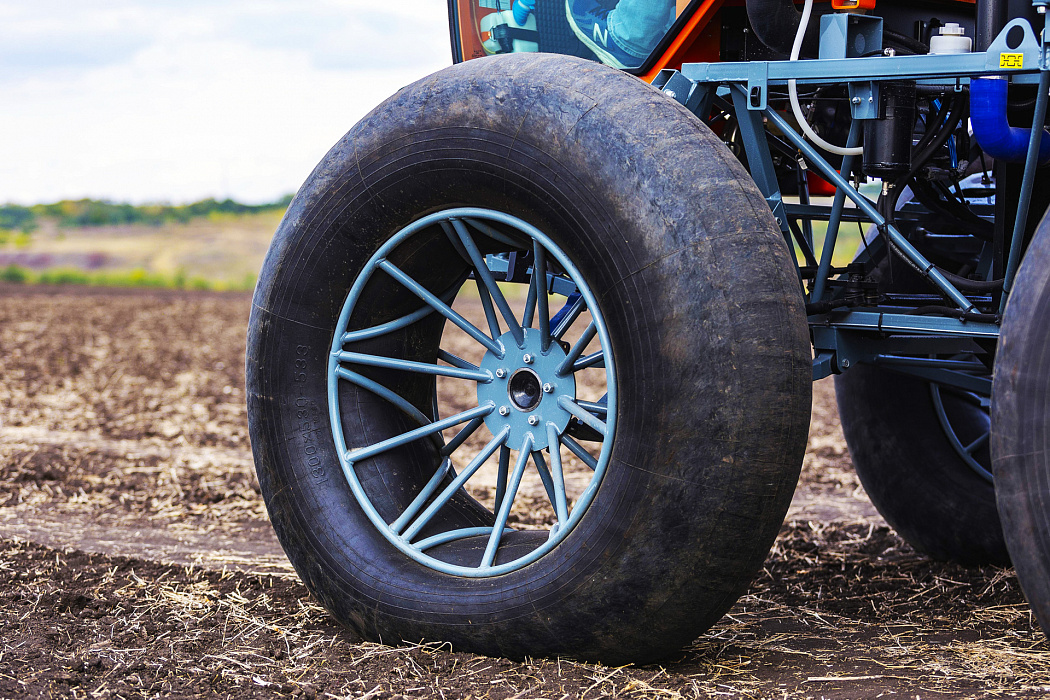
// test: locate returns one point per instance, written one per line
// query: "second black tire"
(1021, 432)
(911, 471)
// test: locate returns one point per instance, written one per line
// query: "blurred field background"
(206, 245)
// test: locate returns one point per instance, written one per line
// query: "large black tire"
(706, 324)
(910, 470)
(1021, 424)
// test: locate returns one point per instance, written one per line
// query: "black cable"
(823, 307)
(934, 127)
(952, 209)
(954, 313)
(887, 203)
(906, 42)
(972, 285)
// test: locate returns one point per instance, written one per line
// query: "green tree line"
(101, 212)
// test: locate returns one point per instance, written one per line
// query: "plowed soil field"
(136, 559)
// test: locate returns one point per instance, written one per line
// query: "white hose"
(807, 130)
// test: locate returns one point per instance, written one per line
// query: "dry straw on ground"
(123, 414)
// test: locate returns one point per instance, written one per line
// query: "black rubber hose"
(970, 285)
(945, 122)
(933, 126)
(823, 307)
(966, 220)
(954, 313)
(775, 23)
(905, 42)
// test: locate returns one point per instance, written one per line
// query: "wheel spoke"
(455, 360)
(595, 359)
(454, 240)
(574, 354)
(539, 281)
(397, 324)
(530, 302)
(492, 233)
(561, 507)
(384, 393)
(566, 320)
(440, 306)
(486, 303)
(599, 408)
(404, 438)
(462, 436)
(508, 500)
(490, 283)
(456, 484)
(501, 476)
(452, 536)
(973, 446)
(358, 358)
(586, 417)
(410, 512)
(578, 450)
(545, 475)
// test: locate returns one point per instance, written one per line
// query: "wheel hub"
(525, 388)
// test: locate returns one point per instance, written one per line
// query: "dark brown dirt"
(123, 434)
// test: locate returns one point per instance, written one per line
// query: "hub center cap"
(524, 389)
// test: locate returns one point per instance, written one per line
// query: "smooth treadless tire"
(1021, 424)
(912, 473)
(920, 449)
(634, 218)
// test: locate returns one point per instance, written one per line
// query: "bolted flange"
(527, 391)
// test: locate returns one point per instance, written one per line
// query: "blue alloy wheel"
(528, 369)
(971, 447)
(525, 388)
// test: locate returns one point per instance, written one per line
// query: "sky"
(178, 100)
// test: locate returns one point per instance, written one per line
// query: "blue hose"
(988, 117)
(522, 10)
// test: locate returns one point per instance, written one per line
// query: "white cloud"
(167, 100)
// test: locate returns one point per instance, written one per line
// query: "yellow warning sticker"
(1011, 60)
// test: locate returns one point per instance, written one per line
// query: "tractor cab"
(638, 36)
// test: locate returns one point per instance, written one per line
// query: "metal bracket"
(693, 96)
(757, 85)
(753, 134)
(1024, 55)
(864, 100)
(849, 35)
(838, 349)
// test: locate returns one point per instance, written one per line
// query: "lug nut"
(501, 373)
(527, 359)
(504, 411)
(534, 420)
(548, 388)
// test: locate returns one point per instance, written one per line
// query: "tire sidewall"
(541, 149)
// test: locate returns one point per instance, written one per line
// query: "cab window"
(620, 33)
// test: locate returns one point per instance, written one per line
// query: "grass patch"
(17, 274)
(846, 247)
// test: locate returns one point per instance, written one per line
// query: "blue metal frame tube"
(862, 202)
(1027, 182)
(832, 233)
